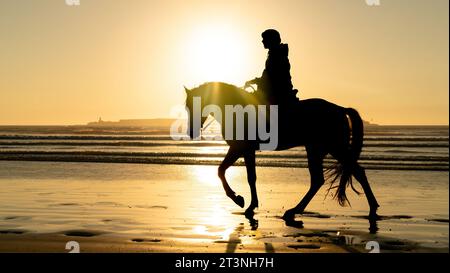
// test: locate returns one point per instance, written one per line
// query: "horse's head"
(194, 107)
(210, 93)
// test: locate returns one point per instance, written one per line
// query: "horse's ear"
(186, 89)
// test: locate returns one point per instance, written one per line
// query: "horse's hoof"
(288, 216)
(294, 223)
(239, 200)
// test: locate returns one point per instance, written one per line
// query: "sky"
(129, 59)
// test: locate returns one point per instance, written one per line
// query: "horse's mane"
(225, 87)
(226, 90)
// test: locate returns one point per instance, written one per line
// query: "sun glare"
(216, 53)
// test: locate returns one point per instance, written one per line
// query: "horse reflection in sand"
(322, 127)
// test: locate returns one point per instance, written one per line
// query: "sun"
(216, 53)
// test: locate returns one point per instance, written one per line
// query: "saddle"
(287, 100)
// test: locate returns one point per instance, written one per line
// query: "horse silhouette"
(322, 127)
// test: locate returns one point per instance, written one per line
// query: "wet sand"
(166, 208)
(240, 240)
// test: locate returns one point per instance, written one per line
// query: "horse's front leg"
(249, 157)
(231, 157)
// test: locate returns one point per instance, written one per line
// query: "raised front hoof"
(239, 200)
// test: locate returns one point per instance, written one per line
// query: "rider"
(275, 82)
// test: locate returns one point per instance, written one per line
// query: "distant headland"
(155, 123)
(162, 123)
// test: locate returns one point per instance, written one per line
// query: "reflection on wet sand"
(106, 211)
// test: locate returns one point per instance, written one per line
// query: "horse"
(320, 126)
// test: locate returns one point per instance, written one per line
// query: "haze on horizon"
(130, 59)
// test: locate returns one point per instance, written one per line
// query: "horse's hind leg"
(231, 157)
(315, 165)
(360, 175)
(251, 177)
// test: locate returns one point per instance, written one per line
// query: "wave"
(206, 161)
(84, 137)
(274, 155)
(411, 138)
(396, 148)
(263, 159)
(116, 143)
(168, 137)
(197, 143)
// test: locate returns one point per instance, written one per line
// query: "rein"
(206, 126)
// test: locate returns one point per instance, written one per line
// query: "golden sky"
(122, 59)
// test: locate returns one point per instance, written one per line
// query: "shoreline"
(193, 162)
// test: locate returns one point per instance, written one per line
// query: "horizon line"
(156, 118)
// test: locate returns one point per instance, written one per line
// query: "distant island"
(366, 123)
(159, 123)
(162, 123)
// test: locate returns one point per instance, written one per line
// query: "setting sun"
(216, 53)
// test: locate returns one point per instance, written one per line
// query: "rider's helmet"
(271, 37)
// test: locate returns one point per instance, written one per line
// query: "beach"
(116, 115)
(117, 207)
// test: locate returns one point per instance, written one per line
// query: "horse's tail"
(346, 165)
(357, 133)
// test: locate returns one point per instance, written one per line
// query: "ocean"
(385, 147)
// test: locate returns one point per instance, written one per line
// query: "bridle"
(206, 126)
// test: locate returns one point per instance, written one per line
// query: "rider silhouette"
(275, 83)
